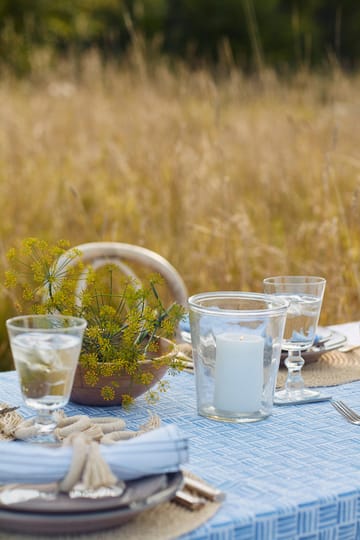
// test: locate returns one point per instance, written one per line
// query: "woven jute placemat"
(166, 521)
(330, 369)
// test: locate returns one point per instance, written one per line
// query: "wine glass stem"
(45, 421)
(294, 362)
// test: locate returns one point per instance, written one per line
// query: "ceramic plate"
(322, 335)
(64, 515)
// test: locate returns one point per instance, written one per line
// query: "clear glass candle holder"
(236, 339)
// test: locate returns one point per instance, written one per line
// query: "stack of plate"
(62, 514)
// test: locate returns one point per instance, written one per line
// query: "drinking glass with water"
(305, 295)
(45, 349)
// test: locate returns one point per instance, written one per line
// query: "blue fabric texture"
(293, 476)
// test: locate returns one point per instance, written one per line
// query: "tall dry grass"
(230, 178)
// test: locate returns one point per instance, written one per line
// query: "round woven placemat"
(331, 369)
(164, 522)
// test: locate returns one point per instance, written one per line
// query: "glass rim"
(279, 304)
(79, 322)
(308, 280)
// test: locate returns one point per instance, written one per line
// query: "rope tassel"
(88, 468)
(88, 471)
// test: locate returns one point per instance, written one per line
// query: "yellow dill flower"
(126, 400)
(91, 378)
(89, 361)
(108, 393)
(108, 369)
(10, 279)
(146, 378)
(11, 254)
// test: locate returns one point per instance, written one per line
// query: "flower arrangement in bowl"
(128, 344)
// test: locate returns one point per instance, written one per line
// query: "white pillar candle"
(239, 372)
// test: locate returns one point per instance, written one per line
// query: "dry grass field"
(231, 178)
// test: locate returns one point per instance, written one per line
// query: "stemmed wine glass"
(46, 350)
(305, 294)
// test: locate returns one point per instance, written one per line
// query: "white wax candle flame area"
(239, 372)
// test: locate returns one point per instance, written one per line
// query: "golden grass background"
(232, 178)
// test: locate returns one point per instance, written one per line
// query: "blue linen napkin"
(159, 451)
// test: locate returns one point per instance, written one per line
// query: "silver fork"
(350, 415)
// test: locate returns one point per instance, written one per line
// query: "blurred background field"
(232, 171)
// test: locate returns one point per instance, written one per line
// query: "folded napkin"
(159, 451)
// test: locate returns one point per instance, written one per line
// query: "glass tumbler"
(46, 350)
(236, 339)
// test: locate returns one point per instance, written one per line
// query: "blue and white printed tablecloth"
(294, 476)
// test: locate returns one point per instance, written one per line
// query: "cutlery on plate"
(348, 413)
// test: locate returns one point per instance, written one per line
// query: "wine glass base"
(296, 397)
(43, 436)
(45, 439)
(42, 429)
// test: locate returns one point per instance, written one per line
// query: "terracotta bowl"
(91, 395)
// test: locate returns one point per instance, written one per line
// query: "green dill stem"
(58, 308)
